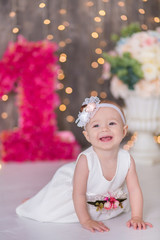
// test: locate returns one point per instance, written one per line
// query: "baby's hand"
(94, 225)
(138, 223)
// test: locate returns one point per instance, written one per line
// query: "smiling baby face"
(106, 129)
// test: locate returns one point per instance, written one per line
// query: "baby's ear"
(85, 133)
(125, 129)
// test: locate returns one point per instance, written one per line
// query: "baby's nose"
(105, 128)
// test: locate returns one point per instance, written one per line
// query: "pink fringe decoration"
(33, 66)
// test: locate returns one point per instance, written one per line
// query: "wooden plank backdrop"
(79, 19)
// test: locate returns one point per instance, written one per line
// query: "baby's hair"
(82, 107)
(114, 103)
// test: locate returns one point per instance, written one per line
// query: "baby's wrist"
(84, 221)
(137, 217)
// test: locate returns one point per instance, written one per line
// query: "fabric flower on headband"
(91, 105)
(88, 111)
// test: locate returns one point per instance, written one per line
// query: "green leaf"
(126, 31)
(126, 68)
(101, 205)
(122, 72)
(115, 37)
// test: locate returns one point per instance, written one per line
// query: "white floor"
(19, 181)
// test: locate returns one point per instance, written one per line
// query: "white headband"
(92, 105)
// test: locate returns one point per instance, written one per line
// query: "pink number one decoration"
(30, 69)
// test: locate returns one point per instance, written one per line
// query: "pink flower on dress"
(115, 204)
(111, 203)
(108, 205)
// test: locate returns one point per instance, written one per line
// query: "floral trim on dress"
(108, 203)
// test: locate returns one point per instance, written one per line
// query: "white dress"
(54, 202)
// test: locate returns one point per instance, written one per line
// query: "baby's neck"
(107, 155)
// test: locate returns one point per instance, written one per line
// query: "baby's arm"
(136, 199)
(79, 197)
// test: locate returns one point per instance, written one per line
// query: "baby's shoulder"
(124, 152)
(124, 157)
(87, 154)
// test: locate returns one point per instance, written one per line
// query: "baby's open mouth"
(106, 138)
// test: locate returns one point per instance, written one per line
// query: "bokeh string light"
(13, 19)
(97, 36)
(131, 142)
(61, 29)
(15, 29)
(142, 12)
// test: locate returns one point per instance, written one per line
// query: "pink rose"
(106, 70)
(107, 205)
(115, 204)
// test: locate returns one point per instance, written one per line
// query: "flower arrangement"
(30, 68)
(108, 203)
(134, 65)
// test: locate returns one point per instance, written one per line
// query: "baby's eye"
(96, 125)
(112, 123)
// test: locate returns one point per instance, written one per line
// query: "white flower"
(85, 115)
(118, 88)
(150, 71)
(148, 89)
(146, 57)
